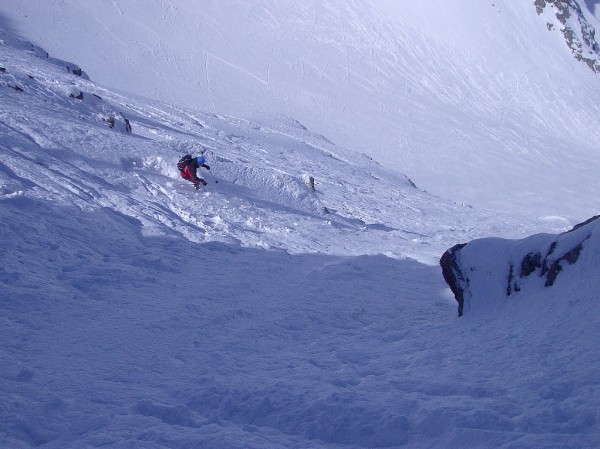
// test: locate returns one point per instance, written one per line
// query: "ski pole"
(213, 176)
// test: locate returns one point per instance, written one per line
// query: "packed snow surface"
(256, 312)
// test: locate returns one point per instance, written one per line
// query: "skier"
(188, 166)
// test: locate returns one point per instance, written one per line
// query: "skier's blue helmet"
(200, 160)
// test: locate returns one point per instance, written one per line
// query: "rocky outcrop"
(86, 104)
(453, 275)
(118, 122)
(494, 270)
(580, 36)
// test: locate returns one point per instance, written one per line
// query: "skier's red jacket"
(190, 171)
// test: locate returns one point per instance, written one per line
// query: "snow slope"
(592, 6)
(468, 101)
(262, 166)
(137, 313)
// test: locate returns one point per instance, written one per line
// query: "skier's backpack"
(184, 161)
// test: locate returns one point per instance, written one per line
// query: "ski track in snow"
(271, 53)
(117, 7)
(208, 83)
(343, 36)
(236, 67)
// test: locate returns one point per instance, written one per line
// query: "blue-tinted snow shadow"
(93, 310)
(592, 4)
(6, 24)
(107, 333)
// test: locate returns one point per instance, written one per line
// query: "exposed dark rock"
(556, 266)
(552, 248)
(586, 222)
(556, 253)
(510, 286)
(539, 6)
(579, 35)
(530, 263)
(78, 96)
(544, 264)
(453, 275)
(72, 68)
(15, 87)
(119, 122)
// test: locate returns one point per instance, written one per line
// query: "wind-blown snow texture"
(138, 313)
(416, 85)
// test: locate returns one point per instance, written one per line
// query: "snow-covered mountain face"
(76, 143)
(468, 102)
(258, 311)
